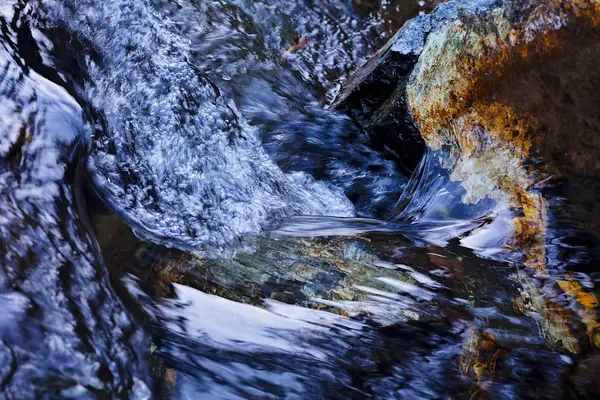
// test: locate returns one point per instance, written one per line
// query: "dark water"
(181, 216)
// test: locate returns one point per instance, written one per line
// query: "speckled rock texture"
(508, 91)
(505, 87)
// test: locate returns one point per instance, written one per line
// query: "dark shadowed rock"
(375, 95)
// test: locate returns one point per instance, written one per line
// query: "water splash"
(174, 157)
(178, 99)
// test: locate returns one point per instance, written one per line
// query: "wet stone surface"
(200, 199)
(401, 309)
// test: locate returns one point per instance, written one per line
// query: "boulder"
(508, 92)
(506, 88)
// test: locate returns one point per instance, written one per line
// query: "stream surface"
(183, 216)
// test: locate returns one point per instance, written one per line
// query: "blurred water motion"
(182, 217)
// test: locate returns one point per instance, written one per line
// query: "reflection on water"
(349, 317)
(196, 125)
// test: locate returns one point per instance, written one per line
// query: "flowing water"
(182, 216)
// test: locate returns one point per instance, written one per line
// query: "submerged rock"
(414, 308)
(343, 275)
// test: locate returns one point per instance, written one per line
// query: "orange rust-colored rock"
(478, 359)
(512, 96)
(476, 90)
